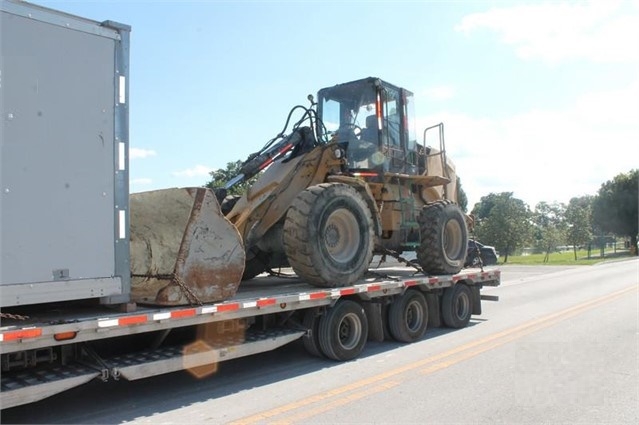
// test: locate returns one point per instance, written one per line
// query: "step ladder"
(409, 226)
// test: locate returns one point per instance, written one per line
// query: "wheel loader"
(348, 181)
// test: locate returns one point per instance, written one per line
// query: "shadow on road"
(125, 401)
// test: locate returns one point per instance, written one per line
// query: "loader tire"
(328, 235)
(444, 238)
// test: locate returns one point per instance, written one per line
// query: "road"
(561, 346)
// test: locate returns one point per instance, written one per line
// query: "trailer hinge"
(413, 264)
(97, 363)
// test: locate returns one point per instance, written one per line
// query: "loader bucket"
(183, 250)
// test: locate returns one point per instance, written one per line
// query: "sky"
(537, 98)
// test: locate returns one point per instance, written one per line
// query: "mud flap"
(476, 299)
(375, 323)
(434, 311)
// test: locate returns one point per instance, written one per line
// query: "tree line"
(510, 224)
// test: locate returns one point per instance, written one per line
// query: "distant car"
(486, 253)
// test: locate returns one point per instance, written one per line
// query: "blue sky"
(537, 98)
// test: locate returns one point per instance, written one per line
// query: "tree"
(579, 222)
(221, 176)
(615, 207)
(550, 227)
(462, 199)
(503, 221)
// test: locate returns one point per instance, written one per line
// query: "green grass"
(565, 258)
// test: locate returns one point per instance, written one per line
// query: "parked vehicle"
(480, 254)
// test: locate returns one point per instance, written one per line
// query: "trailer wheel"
(457, 306)
(408, 317)
(311, 340)
(328, 235)
(343, 331)
(444, 238)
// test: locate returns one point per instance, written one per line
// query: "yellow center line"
(338, 402)
(526, 329)
(434, 363)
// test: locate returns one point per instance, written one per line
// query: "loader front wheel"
(444, 238)
(328, 235)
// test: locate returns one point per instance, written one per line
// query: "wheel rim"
(462, 306)
(349, 331)
(414, 316)
(453, 239)
(341, 235)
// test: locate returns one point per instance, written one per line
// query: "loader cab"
(374, 122)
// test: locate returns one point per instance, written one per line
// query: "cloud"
(137, 153)
(546, 154)
(197, 171)
(599, 31)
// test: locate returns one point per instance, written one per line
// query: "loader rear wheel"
(328, 235)
(408, 317)
(457, 306)
(343, 331)
(444, 238)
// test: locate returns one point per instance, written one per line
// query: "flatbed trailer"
(47, 349)
(67, 314)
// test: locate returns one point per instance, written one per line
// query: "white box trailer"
(63, 163)
(65, 285)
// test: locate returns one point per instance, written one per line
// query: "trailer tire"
(343, 331)
(328, 235)
(408, 316)
(457, 306)
(444, 238)
(311, 339)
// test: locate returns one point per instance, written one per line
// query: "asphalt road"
(561, 346)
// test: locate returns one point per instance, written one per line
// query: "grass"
(566, 258)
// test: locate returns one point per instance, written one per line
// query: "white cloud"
(197, 171)
(546, 155)
(137, 153)
(600, 31)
